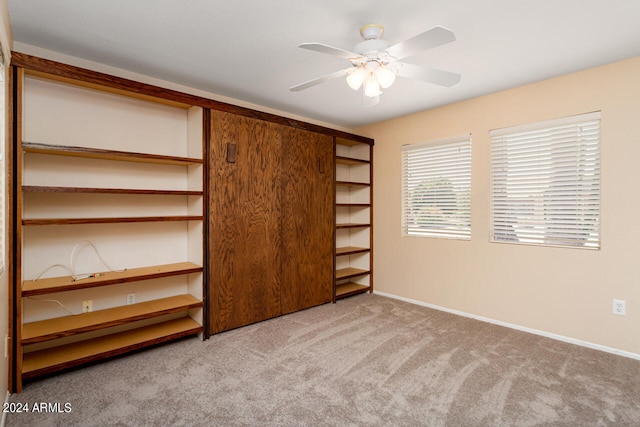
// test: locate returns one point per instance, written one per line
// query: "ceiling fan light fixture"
(373, 75)
(384, 76)
(356, 78)
(375, 64)
(372, 87)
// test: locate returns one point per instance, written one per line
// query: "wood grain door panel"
(245, 263)
(307, 219)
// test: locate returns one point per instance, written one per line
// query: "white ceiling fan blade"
(317, 81)
(330, 50)
(431, 75)
(434, 37)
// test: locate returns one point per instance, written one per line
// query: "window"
(545, 183)
(436, 189)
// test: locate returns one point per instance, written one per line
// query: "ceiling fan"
(375, 64)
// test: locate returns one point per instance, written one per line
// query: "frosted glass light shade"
(372, 87)
(373, 75)
(385, 76)
(356, 78)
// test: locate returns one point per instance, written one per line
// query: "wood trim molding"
(88, 78)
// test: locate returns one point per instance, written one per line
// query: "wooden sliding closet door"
(244, 226)
(307, 219)
(272, 220)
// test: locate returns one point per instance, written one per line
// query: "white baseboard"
(516, 327)
(3, 421)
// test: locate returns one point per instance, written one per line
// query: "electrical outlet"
(131, 299)
(619, 307)
(87, 306)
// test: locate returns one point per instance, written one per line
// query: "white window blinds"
(436, 189)
(545, 183)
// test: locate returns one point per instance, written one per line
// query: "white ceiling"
(247, 49)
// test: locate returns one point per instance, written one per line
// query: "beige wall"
(567, 292)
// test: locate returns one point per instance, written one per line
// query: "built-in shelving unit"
(123, 167)
(354, 198)
(132, 192)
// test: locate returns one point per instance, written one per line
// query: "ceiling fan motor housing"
(372, 46)
(371, 31)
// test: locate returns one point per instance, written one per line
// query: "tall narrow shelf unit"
(354, 218)
(109, 192)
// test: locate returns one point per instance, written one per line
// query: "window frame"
(553, 175)
(457, 183)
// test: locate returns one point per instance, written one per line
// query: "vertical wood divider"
(206, 206)
(15, 220)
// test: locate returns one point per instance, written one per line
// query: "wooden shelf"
(351, 225)
(351, 161)
(350, 142)
(351, 250)
(60, 327)
(53, 359)
(348, 273)
(95, 153)
(353, 205)
(348, 289)
(74, 221)
(66, 283)
(352, 184)
(86, 190)
(110, 87)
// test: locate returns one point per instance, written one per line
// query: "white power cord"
(56, 301)
(52, 266)
(75, 276)
(80, 245)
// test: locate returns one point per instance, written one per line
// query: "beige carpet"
(365, 361)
